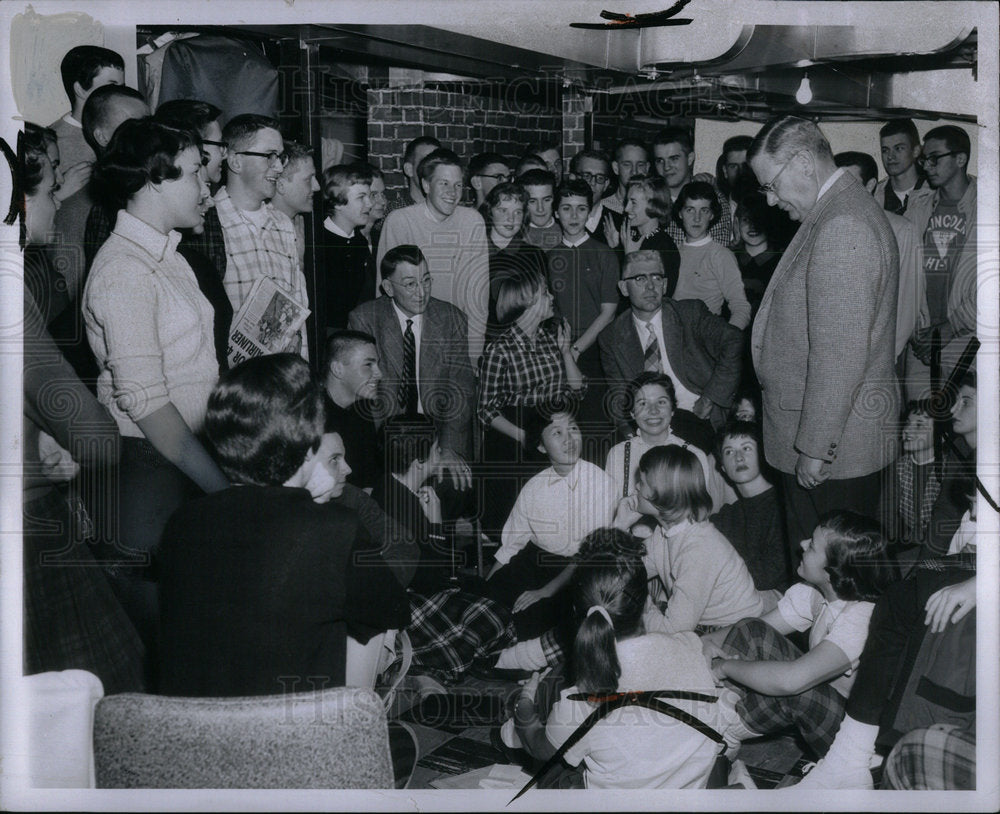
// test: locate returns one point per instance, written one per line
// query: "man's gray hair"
(642, 256)
(783, 137)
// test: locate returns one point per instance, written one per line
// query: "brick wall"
(464, 121)
(576, 107)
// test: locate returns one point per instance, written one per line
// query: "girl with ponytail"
(633, 747)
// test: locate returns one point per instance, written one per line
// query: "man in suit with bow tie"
(698, 350)
(423, 350)
(823, 341)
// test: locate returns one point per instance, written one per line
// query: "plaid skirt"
(72, 619)
(452, 628)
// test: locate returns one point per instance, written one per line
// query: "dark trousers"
(898, 618)
(150, 489)
(505, 467)
(804, 507)
(530, 569)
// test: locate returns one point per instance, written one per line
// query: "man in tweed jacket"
(823, 340)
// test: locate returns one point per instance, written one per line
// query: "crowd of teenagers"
(714, 435)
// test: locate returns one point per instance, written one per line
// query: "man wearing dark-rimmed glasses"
(260, 239)
(698, 350)
(947, 222)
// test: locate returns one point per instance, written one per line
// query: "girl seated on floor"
(844, 570)
(918, 668)
(706, 581)
(651, 403)
(633, 747)
(450, 628)
(755, 523)
(554, 511)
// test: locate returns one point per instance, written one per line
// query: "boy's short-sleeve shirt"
(841, 622)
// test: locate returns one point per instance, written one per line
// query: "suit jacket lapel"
(671, 340)
(430, 345)
(789, 259)
(630, 345)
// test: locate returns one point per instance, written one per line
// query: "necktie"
(652, 353)
(408, 387)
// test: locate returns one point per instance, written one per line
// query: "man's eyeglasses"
(213, 143)
(411, 286)
(281, 158)
(932, 160)
(768, 188)
(645, 279)
(593, 177)
(500, 177)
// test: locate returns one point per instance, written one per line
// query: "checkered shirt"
(513, 373)
(252, 253)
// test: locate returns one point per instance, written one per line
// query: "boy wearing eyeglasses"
(437, 379)
(947, 222)
(486, 170)
(899, 142)
(260, 239)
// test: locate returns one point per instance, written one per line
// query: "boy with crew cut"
(542, 229)
(260, 239)
(947, 223)
(84, 69)
(594, 167)
(486, 170)
(294, 190)
(673, 159)
(900, 145)
(631, 157)
(416, 151)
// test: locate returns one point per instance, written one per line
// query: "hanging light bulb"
(804, 94)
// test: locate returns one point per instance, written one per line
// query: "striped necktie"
(408, 387)
(652, 353)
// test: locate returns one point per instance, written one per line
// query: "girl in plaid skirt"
(844, 570)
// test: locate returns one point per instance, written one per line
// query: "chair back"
(333, 739)
(60, 720)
